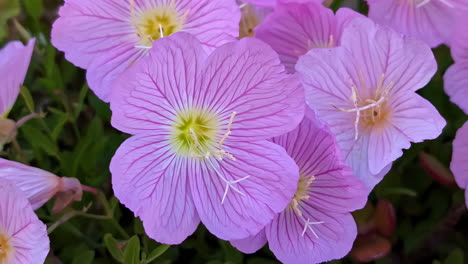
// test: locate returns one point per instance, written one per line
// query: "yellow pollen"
(6, 249)
(157, 22)
(370, 112)
(249, 21)
(301, 193)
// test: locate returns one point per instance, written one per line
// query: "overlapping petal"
(26, 233)
(250, 244)
(333, 237)
(430, 21)
(456, 84)
(295, 28)
(101, 36)
(259, 170)
(38, 185)
(146, 96)
(335, 188)
(14, 63)
(154, 183)
(373, 59)
(247, 77)
(459, 164)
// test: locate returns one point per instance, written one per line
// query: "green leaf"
(112, 247)
(132, 251)
(8, 9)
(455, 257)
(27, 99)
(34, 8)
(39, 140)
(157, 252)
(85, 257)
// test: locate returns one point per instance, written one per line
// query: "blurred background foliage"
(416, 215)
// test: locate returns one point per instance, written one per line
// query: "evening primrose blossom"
(14, 63)
(317, 225)
(365, 91)
(23, 237)
(106, 37)
(199, 150)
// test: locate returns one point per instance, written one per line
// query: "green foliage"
(74, 139)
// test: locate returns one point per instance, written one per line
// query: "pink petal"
(39, 186)
(456, 84)
(295, 28)
(251, 244)
(262, 169)
(433, 22)
(14, 63)
(413, 119)
(146, 96)
(368, 54)
(335, 236)
(459, 43)
(152, 182)
(27, 234)
(101, 37)
(247, 77)
(379, 51)
(88, 29)
(313, 147)
(459, 164)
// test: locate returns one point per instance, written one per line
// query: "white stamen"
(161, 31)
(308, 225)
(230, 184)
(423, 3)
(228, 132)
(143, 47)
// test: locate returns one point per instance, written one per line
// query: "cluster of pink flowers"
(275, 138)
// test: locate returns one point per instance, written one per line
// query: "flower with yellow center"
(317, 225)
(199, 151)
(23, 237)
(106, 37)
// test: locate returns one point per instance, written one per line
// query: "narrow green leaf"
(157, 252)
(85, 257)
(112, 247)
(132, 251)
(38, 139)
(27, 99)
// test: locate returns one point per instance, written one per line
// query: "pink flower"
(459, 164)
(456, 77)
(317, 225)
(106, 37)
(199, 150)
(39, 186)
(428, 20)
(295, 28)
(23, 237)
(365, 91)
(14, 63)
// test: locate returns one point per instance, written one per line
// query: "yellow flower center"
(6, 249)
(194, 132)
(302, 193)
(157, 22)
(249, 21)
